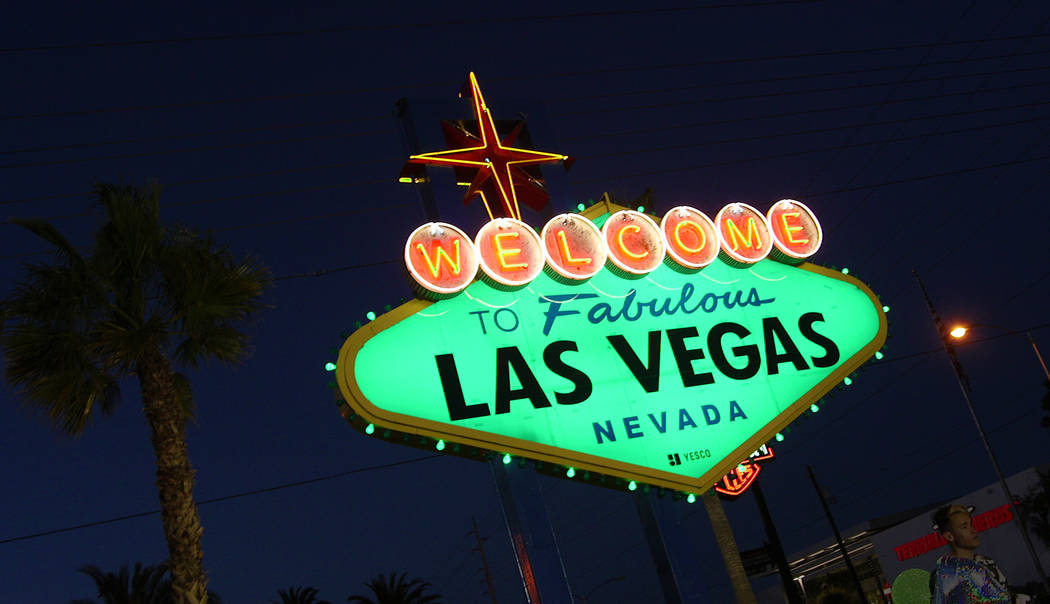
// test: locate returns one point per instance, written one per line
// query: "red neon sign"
(740, 479)
(744, 233)
(796, 231)
(929, 542)
(633, 242)
(573, 246)
(441, 258)
(690, 237)
(510, 251)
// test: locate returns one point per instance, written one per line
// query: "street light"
(959, 332)
(964, 385)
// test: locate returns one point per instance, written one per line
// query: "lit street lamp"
(964, 385)
(959, 332)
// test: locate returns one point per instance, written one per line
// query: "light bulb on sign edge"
(440, 446)
(329, 366)
(847, 381)
(570, 472)
(878, 355)
(371, 316)
(885, 309)
(370, 428)
(632, 485)
(814, 408)
(780, 437)
(506, 459)
(690, 498)
(845, 271)
(580, 207)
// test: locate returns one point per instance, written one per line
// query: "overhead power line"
(271, 489)
(365, 27)
(538, 76)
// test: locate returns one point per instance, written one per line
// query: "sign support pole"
(674, 555)
(531, 535)
(838, 536)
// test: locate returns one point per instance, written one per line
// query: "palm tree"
(146, 297)
(144, 585)
(395, 590)
(299, 595)
(727, 545)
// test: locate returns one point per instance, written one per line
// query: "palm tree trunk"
(175, 475)
(730, 553)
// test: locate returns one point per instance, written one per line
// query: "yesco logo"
(444, 260)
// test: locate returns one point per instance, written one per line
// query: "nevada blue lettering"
(604, 430)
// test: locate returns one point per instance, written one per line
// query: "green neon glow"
(370, 428)
(329, 366)
(878, 356)
(617, 418)
(845, 271)
(506, 458)
(440, 446)
(885, 309)
(847, 381)
(814, 408)
(570, 472)
(371, 316)
(631, 486)
(641, 208)
(580, 207)
(690, 498)
(780, 437)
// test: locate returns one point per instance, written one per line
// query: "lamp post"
(964, 386)
(959, 332)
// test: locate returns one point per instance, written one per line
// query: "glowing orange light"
(573, 246)
(796, 231)
(510, 251)
(690, 237)
(563, 246)
(496, 163)
(743, 232)
(435, 265)
(633, 241)
(502, 252)
(958, 331)
(633, 228)
(441, 258)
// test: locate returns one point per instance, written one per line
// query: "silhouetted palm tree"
(144, 585)
(299, 595)
(395, 590)
(146, 297)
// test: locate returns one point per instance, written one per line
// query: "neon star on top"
(498, 164)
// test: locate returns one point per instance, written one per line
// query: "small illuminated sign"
(614, 373)
(740, 478)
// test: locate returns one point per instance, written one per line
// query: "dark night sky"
(917, 133)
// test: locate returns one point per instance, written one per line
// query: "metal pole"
(964, 387)
(776, 547)
(484, 563)
(1038, 355)
(838, 537)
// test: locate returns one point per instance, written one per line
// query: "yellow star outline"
(491, 158)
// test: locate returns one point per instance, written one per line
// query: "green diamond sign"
(669, 379)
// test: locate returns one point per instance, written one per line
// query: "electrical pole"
(775, 548)
(838, 537)
(484, 563)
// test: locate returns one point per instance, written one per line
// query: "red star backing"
(497, 164)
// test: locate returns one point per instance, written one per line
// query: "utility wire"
(366, 27)
(270, 489)
(573, 74)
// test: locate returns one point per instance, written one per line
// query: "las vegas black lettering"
(728, 347)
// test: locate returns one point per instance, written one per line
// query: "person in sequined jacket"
(963, 576)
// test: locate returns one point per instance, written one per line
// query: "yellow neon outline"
(786, 249)
(435, 266)
(501, 253)
(789, 230)
(360, 405)
(471, 259)
(681, 244)
(600, 257)
(530, 271)
(487, 128)
(725, 245)
(734, 233)
(696, 215)
(623, 246)
(566, 254)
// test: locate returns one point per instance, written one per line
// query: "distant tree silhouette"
(143, 585)
(393, 589)
(1036, 507)
(299, 595)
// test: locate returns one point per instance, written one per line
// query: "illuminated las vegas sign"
(659, 350)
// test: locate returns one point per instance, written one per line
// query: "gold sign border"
(565, 457)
